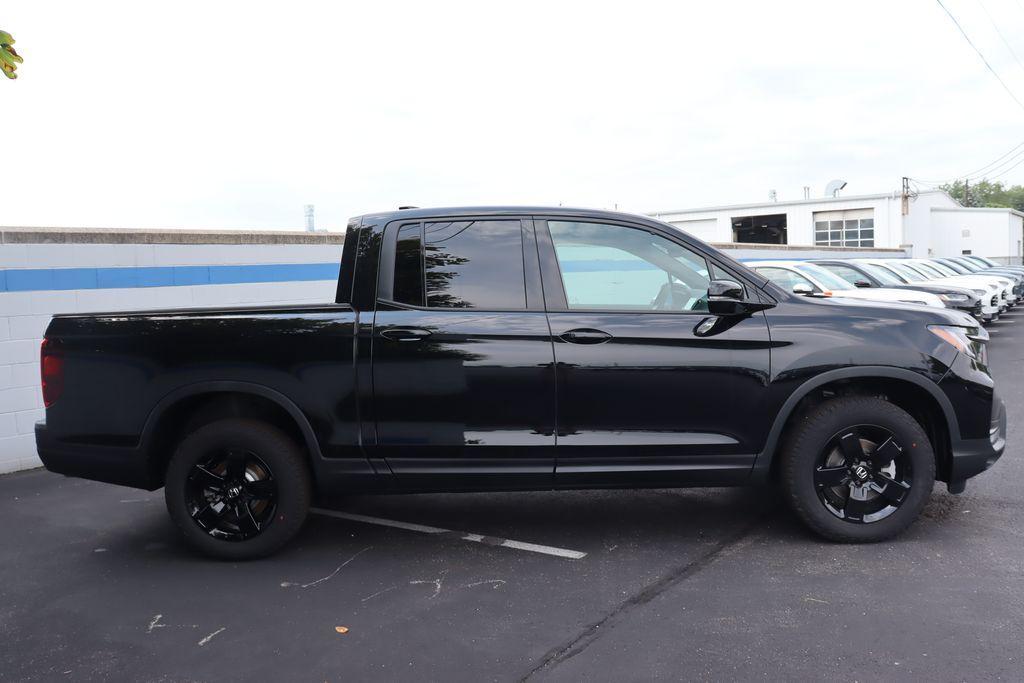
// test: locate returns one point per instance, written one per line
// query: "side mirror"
(725, 297)
(861, 283)
(803, 288)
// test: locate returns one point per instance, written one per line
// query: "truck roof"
(501, 210)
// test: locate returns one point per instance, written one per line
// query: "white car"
(801, 277)
(990, 293)
(1004, 283)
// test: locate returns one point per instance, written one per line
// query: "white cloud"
(235, 114)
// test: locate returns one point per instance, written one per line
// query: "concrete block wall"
(48, 271)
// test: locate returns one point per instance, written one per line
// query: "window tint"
(474, 264)
(408, 286)
(787, 279)
(612, 267)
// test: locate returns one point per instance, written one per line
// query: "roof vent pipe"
(832, 189)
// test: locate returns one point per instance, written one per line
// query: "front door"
(651, 387)
(463, 370)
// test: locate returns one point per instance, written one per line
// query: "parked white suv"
(990, 293)
(801, 277)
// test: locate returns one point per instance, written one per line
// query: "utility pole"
(906, 195)
(967, 192)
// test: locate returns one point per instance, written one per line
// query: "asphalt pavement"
(602, 585)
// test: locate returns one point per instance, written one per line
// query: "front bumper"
(973, 456)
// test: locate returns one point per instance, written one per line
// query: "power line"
(1001, 36)
(999, 165)
(987, 167)
(987, 65)
(1004, 172)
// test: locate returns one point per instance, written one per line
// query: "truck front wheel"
(857, 469)
(238, 489)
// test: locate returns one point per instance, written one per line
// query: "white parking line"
(463, 535)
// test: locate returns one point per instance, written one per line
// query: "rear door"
(463, 369)
(651, 387)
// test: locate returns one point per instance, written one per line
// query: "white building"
(933, 224)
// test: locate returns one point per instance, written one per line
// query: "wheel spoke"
(261, 489)
(894, 491)
(207, 478)
(236, 465)
(886, 453)
(207, 516)
(246, 522)
(850, 447)
(830, 476)
(856, 508)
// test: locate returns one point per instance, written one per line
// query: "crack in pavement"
(591, 633)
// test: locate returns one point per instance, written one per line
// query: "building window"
(855, 228)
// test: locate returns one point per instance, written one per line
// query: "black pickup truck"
(522, 348)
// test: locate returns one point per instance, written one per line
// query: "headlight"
(957, 298)
(966, 340)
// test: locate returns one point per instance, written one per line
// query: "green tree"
(9, 59)
(986, 193)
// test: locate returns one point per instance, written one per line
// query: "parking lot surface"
(610, 585)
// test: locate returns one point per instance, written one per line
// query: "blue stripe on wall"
(37, 279)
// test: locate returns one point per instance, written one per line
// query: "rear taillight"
(51, 370)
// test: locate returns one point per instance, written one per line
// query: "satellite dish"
(832, 189)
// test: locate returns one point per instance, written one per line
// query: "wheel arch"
(188, 407)
(917, 395)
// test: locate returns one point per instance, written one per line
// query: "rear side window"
(461, 264)
(408, 287)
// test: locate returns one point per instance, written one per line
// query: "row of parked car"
(973, 284)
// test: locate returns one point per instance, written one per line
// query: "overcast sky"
(236, 114)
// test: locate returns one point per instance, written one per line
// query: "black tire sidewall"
(804, 447)
(287, 465)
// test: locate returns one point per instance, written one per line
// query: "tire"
(823, 447)
(238, 489)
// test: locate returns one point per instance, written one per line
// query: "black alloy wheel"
(856, 469)
(238, 488)
(232, 495)
(864, 475)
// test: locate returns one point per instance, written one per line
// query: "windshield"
(909, 273)
(883, 275)
(968, 264)
(954, 266)
(944, 269)
(930, 269)
(825, 277)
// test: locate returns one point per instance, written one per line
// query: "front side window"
(613, 267)
(461, 264)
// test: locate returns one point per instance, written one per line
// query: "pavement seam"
(591, 633)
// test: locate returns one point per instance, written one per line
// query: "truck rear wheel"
(238, 489)
(857, 469)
